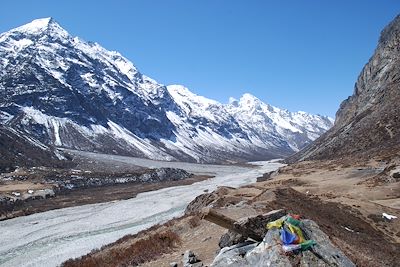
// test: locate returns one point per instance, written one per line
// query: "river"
(49, 238)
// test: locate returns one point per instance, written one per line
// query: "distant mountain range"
(62, 91)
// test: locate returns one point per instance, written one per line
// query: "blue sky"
(298, 55)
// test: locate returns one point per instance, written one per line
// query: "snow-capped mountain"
(262, 121)
(244, 125)
(70, 93)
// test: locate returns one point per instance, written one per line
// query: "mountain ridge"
(75, 94)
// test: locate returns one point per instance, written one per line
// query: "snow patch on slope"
(55, 124)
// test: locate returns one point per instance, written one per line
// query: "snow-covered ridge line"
(70, 93)
(250, 112)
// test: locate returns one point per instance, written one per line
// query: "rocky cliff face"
(368, 122)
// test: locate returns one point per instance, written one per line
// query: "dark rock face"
(368, 122)
(231, 238)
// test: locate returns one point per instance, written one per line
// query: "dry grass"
(119, 253)
(142, 251)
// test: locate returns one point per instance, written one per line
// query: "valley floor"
(31, 190)
(79, 197)
(51, 237)
(345, 199)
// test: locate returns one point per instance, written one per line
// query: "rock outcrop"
(269, 252)
(255, 223)
(368, 122)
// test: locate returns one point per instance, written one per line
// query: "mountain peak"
(184, 94)
(38, 26)
(43, 21)
(249, 100)
(247, 96)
